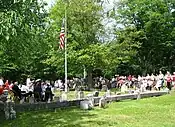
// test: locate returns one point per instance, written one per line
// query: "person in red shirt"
(173, 79)
(2, 89)
(7, 85)
(168, 80)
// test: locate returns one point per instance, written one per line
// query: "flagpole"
(65, 46)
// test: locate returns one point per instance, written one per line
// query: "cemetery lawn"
(149, 112)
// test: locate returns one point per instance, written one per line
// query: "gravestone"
(22, 100)
(3, 98)
(108, 93)
(86, 105)
(104, 88)
(102, 102)
(80, 94)
(10, 113)
(96, 94)
(124, 88)
(138, 93)
(31, 100)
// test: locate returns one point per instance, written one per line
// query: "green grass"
(150, 112)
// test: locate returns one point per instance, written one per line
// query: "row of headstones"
(89, 103)
(85, 104)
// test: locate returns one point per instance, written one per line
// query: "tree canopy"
(29, 38)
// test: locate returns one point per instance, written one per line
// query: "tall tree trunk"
(89, 78)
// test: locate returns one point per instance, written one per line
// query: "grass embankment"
(150, 112)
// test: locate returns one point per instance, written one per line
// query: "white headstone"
(124, 88)
(108, 93)
(102, 102)
(86, 105)
(80, 94)
(104, 87)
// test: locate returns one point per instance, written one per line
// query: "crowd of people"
(43, 90)
(148, 82)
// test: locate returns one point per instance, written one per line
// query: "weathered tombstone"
(31, 100)
(108, 93)
(3, 98)
(138, 95)
(96, 94)
(124, 88)
(102, 102)
(22, 100)
(104, 88)
(86, 104)
(10, 113)
(80, 94)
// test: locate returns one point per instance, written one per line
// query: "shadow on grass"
(69, 117)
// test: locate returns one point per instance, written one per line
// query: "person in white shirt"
(1, 81)
(25, 89)
(28, 82)
(161, 77)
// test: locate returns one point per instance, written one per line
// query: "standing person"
(173, 79)
(48, 93)
(161, 77)
(168, 80)
(158, 83)
(2, 89)
(7, 86)
(1, 81)
(38, 91)
(16, 91)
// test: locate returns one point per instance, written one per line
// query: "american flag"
(62, 36)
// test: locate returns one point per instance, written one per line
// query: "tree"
(154, 22)
(22, 32)
(84, 29)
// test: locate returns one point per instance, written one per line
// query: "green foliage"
(153, 24)
(22, 33)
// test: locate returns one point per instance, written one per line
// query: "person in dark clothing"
(38, 92)
(48, 93)
(16, 91)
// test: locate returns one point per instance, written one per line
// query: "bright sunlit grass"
(150, 112)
